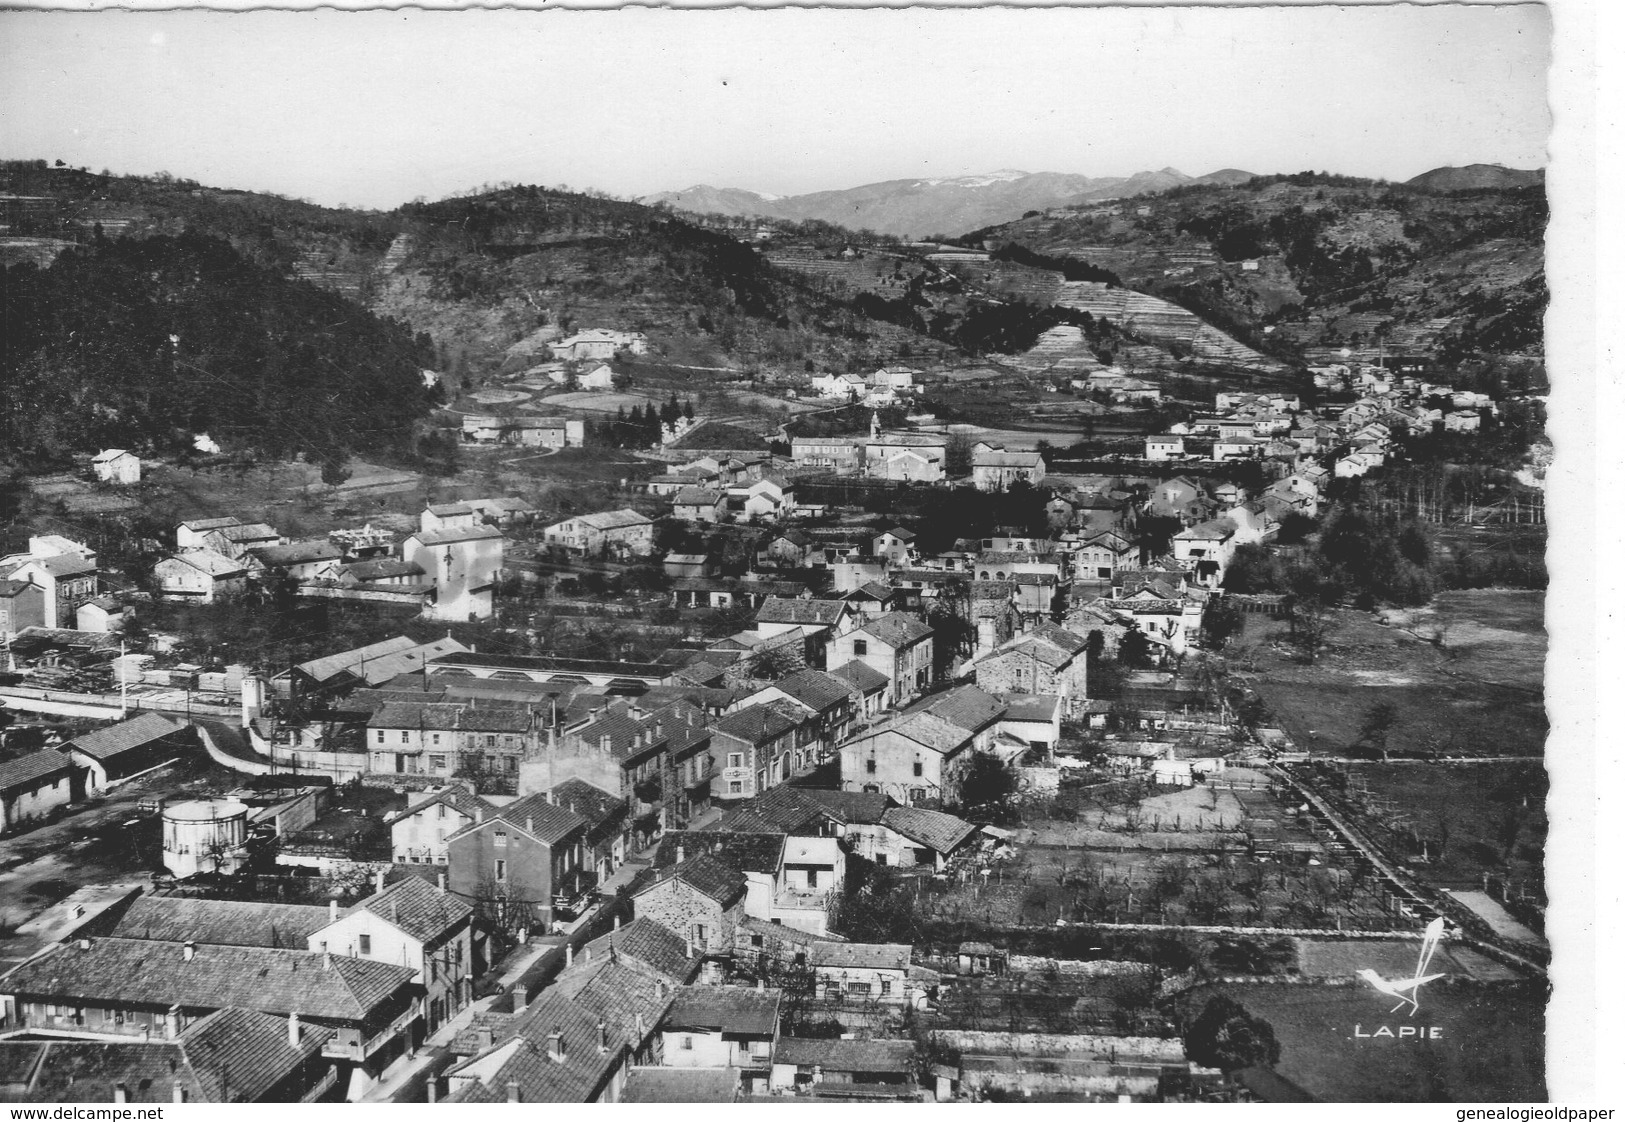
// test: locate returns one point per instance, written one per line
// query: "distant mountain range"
(921, 207)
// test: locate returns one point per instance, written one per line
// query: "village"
(863, 810)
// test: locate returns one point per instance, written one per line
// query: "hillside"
(1477, 177)
(1285, 263)
(918, 208)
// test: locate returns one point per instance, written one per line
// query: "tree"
(1374, 729)
(957, 455)
(986, 785)
(1134, 650)
(1224, 1035)
(1220, 620)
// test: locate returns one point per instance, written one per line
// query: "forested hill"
(144, 342)
(1313, 260)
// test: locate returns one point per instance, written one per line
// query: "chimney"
(332, 910)
(555, 1044)
(660, 730)
(479, 815)
(440, 881)
(530, 824)
(519, 1001)
(513, 1090)
(327, 959)
(484, 1037)
(121, 1092)
(188, 951)
(293, 1030)
(569, 956)
(617, 921)
(637, 1027)
(378, 881)
(84, 944)
(431, 1091)
(603, 1036)
(603, 743)
(179, 1093)
(394, 911)
(761, 985)
(679, 853)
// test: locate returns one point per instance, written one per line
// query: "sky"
(376, 108)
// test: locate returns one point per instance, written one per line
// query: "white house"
(1165, 447)
(115, 465)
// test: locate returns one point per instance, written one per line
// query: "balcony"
(801, 899)
(340, 1050)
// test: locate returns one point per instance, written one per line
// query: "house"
(22, 605)
(794, 881)
(842, 455)
(599, 343)
(898, 646)
(1180, 498)
(607, 816)
(832, 702)
(318, 559)
(761, 746)
(1165, 447)
(228, 1056)
(895, 546)
(121, 752)
(444, 739)
(1359, 462)
(599, 377)
(463, 565)
(577, 1046)
(1034, 720)
(67, 580)
(921, 837)
(200, 576)
(191, 533)
(33, 785)
(1462, 420)
(816, 1066)
(448, 516)
(764, 499)
(236, 540)
(1208, 547)
(417, 835)
(618, 533)
(712, 1026)
(1098, 557)
(103, 614)
(370, 666)
(414, 924)
(906, 457)
(1046, 660)
(147, 989)
(787, 549)
(997, 470)
(527, 432)
(515, 861)
(872, 688)
(922, 753)
(501, 511)
(652, 946)
(115, 465)
(699, 898)
(861, 971)
(698, 504)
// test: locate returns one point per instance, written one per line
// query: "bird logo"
(1406, 988)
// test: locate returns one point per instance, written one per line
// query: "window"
(699, 936)
(755, 940)
(860, 646)
(916, 794)
(869, 766)
(440, 810)
(438, 763)
(405, 736)
(919, 768)
(380, 736)
(501, 871)
(687, 1044)
(365, 943)
(736, 788)
(500, 839)
(436, 738)
(812, 878)
(858, 989)
(885, 988)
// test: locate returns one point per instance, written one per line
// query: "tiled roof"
(454, 534)
(895, 629)
(749, 853)
(297, 553)
(618, 990)
(417, 908)
(249, 532)
(967, 707)
(886, 1056)
(942, 832)
(681, 1085)
(595, 806)
(225, 923)
(738, 1012)
(793, 809)
(760, 723)
(539, 818)
(379, 662)
(138, 972)
(649, 942)
(449, 510)
(203, 525)
(704, 874)
(815, 689)
(863, 676)
(872, 956)
(1030, 707)
(696, 496)
(137, 732)
(231, 1053)
(615, 519)
(64, 564)
(34, 766)
(456, 796)
(775, 609)
(209, 563)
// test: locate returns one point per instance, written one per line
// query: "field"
(1492, 1048)
(1465, 677)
